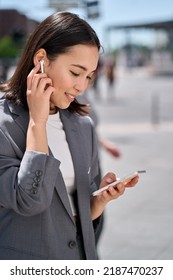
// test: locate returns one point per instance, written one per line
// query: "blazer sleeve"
(27, 184)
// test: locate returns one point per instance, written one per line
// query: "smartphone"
(124, 179)
(42, 65)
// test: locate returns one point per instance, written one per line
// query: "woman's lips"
(70, 97)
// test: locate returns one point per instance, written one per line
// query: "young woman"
(48, 151)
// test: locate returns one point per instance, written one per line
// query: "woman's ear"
(40, 55)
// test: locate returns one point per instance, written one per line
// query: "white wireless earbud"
(42, 65)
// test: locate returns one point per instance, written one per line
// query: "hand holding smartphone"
(124, 179)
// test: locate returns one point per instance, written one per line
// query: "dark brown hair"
(56, 34)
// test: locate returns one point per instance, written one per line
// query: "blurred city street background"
(133, 100)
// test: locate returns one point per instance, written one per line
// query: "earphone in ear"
(42, 65)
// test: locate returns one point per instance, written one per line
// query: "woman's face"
(71, 73)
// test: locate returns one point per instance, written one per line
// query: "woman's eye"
(74, 74)
(90, 78)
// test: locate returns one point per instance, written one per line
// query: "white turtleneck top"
(60, 149)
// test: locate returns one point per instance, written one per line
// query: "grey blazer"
(36, 220)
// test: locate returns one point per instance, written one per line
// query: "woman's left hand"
(99, 202)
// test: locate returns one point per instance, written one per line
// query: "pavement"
(137, 116)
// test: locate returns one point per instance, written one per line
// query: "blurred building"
(14, 29)
(91, 7)
(14, 23)
(161, 56)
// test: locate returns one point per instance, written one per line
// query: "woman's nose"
(81, 86)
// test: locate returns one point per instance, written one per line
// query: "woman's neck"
(53, 109)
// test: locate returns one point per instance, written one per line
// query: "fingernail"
(109, 180)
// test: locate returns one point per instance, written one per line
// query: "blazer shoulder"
(76, 118)
(2, 101)
(3, 109)
(4, 106)
(86, 120)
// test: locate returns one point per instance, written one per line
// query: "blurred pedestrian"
(96, 78)
(111, 78)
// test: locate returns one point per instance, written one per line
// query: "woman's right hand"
(39, 90)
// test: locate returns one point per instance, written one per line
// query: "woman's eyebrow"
(81, 67)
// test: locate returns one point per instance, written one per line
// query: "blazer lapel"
(75, 141)
(61, 190)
